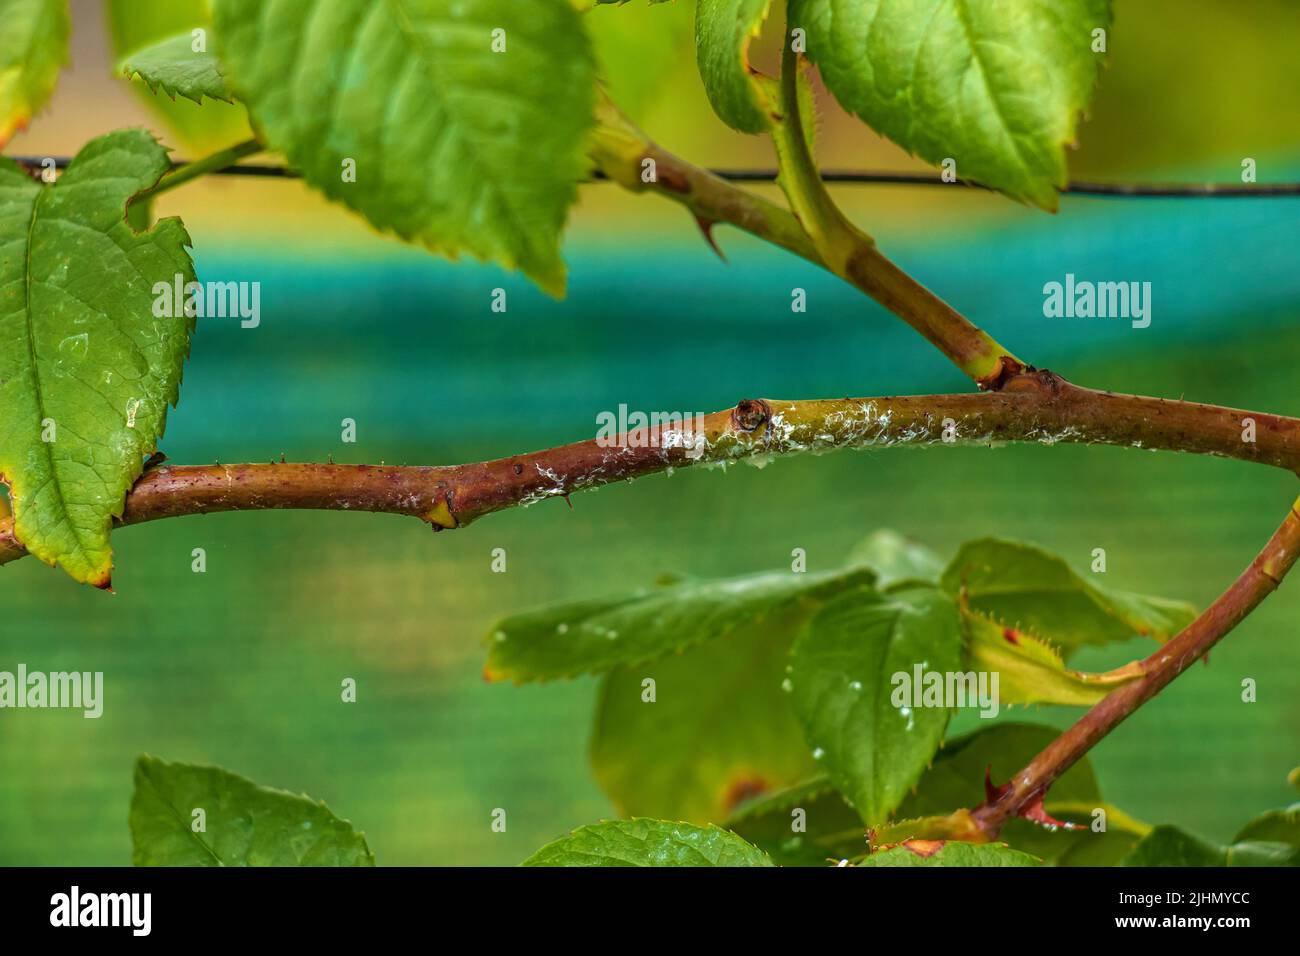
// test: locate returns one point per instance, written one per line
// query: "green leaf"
(639, 55)
(136, 24)
(1276, 826)
(175, 67)
(808, 824)
(1262, 853)
(587, 637)
(843, 674)
(720, 729)
(723, 31)
(243, 824)
(1023, 587)
(1170, 846)
(950, 853)
(89, 369)
(33, 48)
(648, 843)
(956, 780)
(1083, 847)
(455, 146)
(897, 559)
(996, 85)
(1030, 671)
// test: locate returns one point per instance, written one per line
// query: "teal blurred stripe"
(408, 345)
(241, 666)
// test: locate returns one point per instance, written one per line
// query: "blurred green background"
(241, 666)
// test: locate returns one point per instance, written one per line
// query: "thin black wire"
(1076, 187)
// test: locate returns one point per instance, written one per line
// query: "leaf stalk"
(201, 167)
(1257, 582)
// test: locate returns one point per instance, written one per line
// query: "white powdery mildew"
(556, 489)
(861, 425)
(1049, 437)
(869, 426)
(865, 426)
(693, 444)
(609, 469)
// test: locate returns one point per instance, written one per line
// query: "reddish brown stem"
(1031, 407)
(622, 152)
(1256, 583)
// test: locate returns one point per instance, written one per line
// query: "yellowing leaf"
(723, 31)
(1030, 671)
(87, 369)
(1025, 587)
(33, 48)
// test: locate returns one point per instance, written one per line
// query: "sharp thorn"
(706, 228)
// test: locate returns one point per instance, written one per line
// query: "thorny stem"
(623, 154)
(1085, 415)
(1023, 405)
(1257, 582)
(1031, 407)
(1060, 410)
(620, 150)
